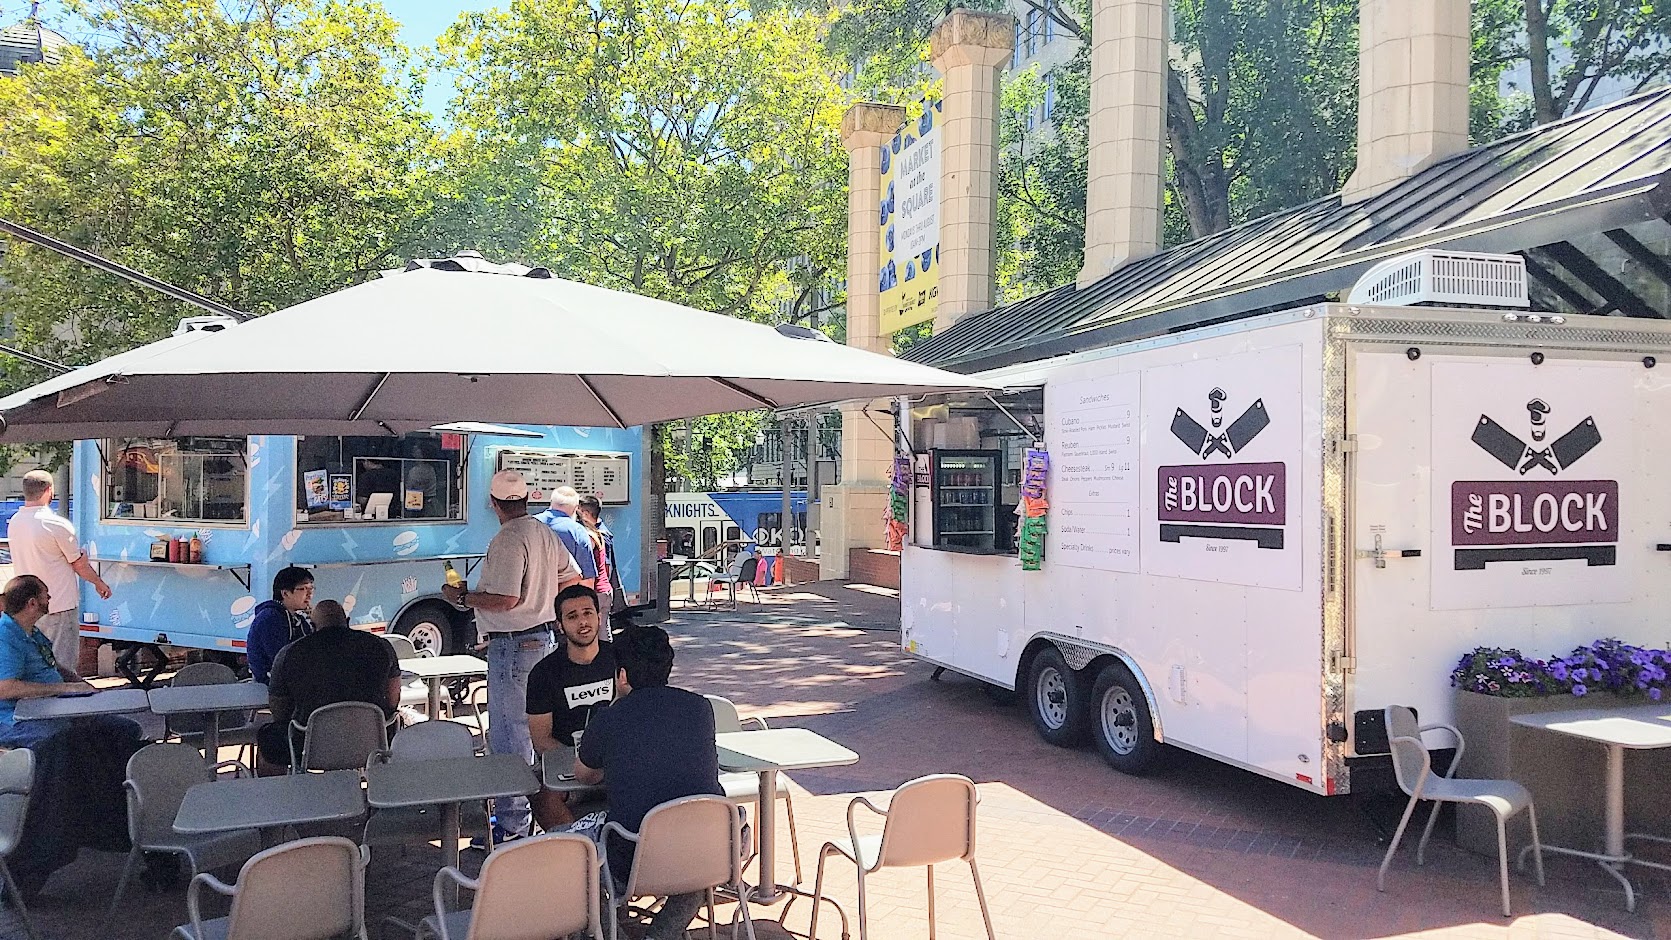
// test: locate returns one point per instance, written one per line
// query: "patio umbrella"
(456, 339)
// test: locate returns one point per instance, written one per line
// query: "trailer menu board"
(1095, 490)
(606, 476)
(1531, 482)
(1221, 465)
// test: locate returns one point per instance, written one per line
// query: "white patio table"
(1645, 727)
(766, 753)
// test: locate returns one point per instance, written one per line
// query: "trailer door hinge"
(1342, 663)
(1347, 444)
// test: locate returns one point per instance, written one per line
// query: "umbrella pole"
(788, 516)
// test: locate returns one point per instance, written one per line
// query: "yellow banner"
(910, 222)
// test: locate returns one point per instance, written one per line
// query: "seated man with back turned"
(654, 744)
(336, 663)
(77, 799)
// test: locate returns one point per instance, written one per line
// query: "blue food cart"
(376, 518)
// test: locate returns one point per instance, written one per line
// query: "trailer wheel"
(1057, 698)
(428, 627)
(1125, 732)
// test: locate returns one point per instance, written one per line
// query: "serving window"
(411, 478)
(185, 480)
(969, 460)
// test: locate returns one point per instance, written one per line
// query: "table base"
(1612, 864)
(786, 894)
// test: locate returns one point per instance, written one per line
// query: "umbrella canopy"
(460, 339)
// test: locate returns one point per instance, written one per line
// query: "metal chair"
(430, 740)
(340, 736)
(560, 869)
(1413, 767)
(188, 729)
(17, 779)
(479, 717)
(301, 890)
(742, 571)
(744, 787)
(929, 820)
(158, 777)
(691, 844)
(414, 694)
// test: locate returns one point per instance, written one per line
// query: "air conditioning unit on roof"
(1445, 279)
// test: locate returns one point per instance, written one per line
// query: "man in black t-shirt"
(336, 663)
(655, 744)
(567, 687)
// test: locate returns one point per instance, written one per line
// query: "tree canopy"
(260, 159)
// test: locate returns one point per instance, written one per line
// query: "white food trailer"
(1263, 532)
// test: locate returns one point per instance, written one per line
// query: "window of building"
(1016, 54)
(413, 477)
(1049, 95)
(1032, 31)
(188, 479)
(1049, 29)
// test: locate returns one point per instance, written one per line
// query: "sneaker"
(500, 837)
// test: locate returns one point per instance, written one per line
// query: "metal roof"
(27, 42)
(1602, 171)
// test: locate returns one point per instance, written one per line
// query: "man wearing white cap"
(514, 600)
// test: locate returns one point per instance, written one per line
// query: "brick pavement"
(1068, 848)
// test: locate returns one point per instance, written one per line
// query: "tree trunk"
(1537, 55)
(1199, 178)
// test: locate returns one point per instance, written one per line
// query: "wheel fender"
(1081, 655)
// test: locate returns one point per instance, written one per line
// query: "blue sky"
(421, 22)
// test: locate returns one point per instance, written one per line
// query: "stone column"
(1125, 160)
(967, 47)
(851, 511)
(1413, 58)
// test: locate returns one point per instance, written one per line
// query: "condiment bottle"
(195, 551)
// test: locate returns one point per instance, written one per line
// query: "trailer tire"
(1123, 728)
(1058, 698)
(429, 626)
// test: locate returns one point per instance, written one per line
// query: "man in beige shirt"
(515, 600)
(43, 544)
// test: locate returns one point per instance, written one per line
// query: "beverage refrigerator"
(965, 499)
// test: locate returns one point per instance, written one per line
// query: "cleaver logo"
(1542, 519)
(1233, 500)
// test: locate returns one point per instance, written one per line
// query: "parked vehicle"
(375, 518)
(1263, 532)
(696, 523)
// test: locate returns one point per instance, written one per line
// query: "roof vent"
(212, 323)
(1444, 279)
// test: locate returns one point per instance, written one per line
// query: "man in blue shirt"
(28, 668)
(565, 504)
(77, 799)
(280, 621)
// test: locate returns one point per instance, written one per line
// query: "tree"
(261, 157)
(1574, 50)
(686, 151)
(689, 151)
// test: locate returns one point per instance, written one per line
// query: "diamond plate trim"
(1076, 656)
(1337, 552)
(1371, 329)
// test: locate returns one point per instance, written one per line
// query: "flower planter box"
(1564, 774)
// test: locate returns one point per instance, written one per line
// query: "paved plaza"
(1068, 848)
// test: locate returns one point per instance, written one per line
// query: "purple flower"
(1580, 690)
(1580, 675)
(1654, 694)
(1558, 669)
